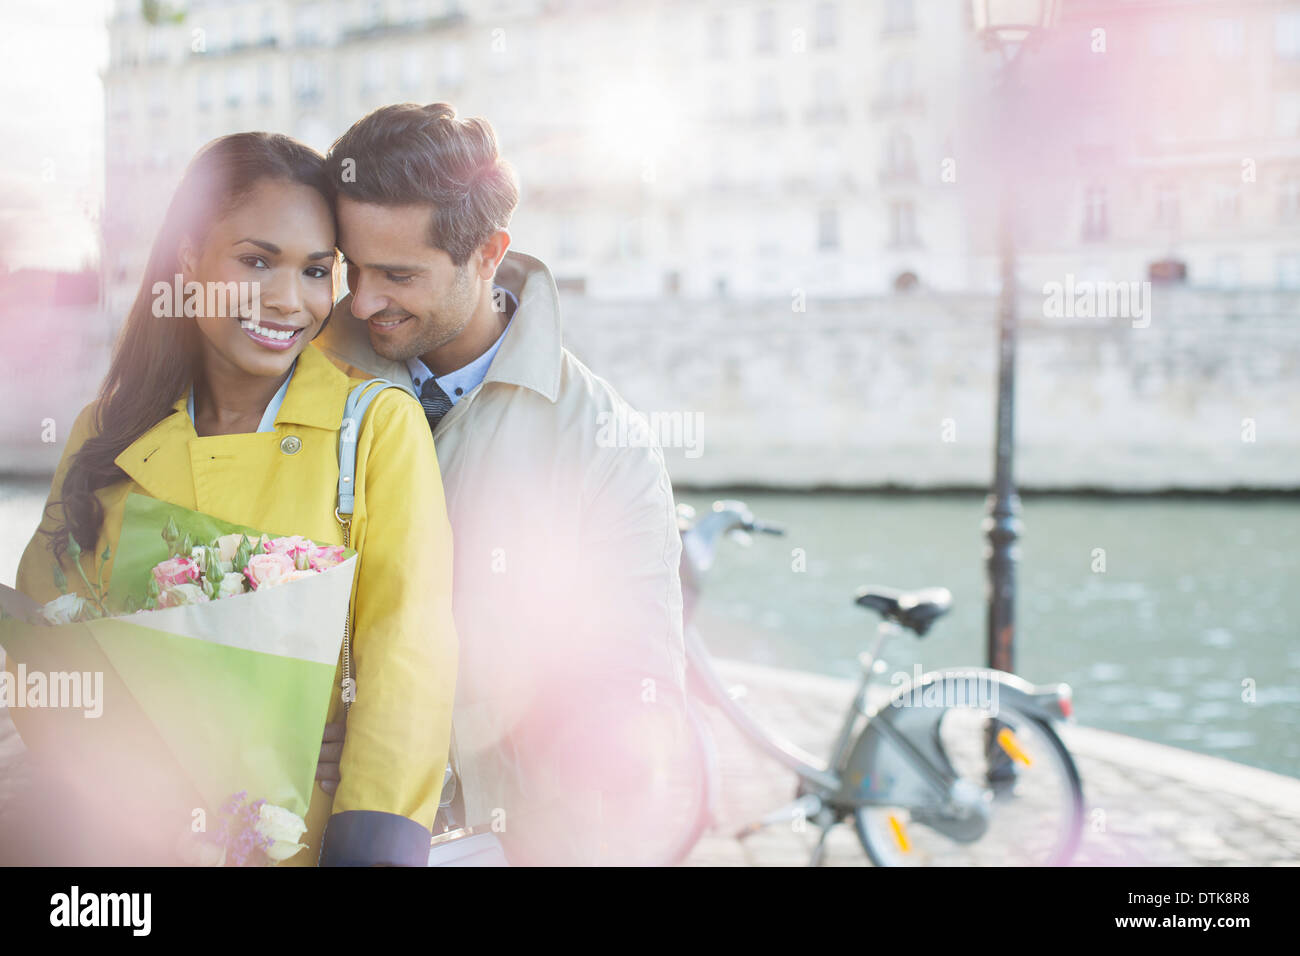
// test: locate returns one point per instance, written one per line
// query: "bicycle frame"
(789, 755)
(826, 780)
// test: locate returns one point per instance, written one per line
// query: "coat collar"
(315, 398)
(530, 357)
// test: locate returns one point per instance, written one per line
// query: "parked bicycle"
(960, 767)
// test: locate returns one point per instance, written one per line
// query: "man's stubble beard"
(434, 332)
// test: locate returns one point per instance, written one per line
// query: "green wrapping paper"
(235, 691)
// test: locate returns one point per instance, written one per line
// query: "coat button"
(291, 445)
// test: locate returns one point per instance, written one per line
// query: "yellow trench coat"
(404, 642)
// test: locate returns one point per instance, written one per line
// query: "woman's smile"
(276, 336)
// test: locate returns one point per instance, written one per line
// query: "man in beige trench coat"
(569, 714)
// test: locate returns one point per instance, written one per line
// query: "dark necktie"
(435, 401)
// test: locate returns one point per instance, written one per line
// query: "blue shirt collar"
(463, 380)
(267, 424)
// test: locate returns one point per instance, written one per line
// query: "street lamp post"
(1006, 26)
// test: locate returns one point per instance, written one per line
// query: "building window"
(203, 91)
(902, 224)
(767, 104)
(411, 70)
(1229, 37)
(898, 82)
(826, 95)
(1227, 272)
(372, 74)
(1286, 113)
(828, 230)
(157, 100)
(265, 84)
(306, 82)
(234, 87)
(1095, 225)
(900, 160)
(306, 27)
(1288, 205)
(765, 31)
(824, 35)
(717, 39)
(1227, 203)
(568, 240)
(1286, 35)
(453, 66)
(156, 47)
(1288, 270)
(631, 239)
(1167, 207)
(899, 16)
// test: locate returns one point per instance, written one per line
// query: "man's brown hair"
(405, 154)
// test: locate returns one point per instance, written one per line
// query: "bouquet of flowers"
(217, 642)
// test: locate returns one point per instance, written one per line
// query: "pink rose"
(288, 544)
(295, 546)
(267, 570)
(175, 571)
(324, 557)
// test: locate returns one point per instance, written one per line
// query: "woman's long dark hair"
(155, 359)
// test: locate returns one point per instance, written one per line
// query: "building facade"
(755, 149)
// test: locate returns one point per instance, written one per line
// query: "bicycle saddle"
(914, 610)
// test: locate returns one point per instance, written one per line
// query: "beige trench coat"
(566, 587)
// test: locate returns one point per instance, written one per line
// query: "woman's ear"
(187, 257)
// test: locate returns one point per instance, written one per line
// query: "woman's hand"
(331, 752)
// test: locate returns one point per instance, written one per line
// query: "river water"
(1189, 636)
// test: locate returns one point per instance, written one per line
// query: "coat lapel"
(160, 461)
(155, 459)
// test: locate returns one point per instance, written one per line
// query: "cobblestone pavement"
(1145, 804)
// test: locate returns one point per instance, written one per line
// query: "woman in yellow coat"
(237, 416)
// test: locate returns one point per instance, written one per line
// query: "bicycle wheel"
(1032, 816)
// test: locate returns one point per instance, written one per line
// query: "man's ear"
(492, 252)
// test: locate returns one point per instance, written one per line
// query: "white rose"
(179, 594)
(231, 584)
(283, 827)
(227, 545)
(63, 609)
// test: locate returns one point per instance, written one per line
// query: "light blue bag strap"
(354, 413)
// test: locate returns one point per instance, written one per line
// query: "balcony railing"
(388, 28)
